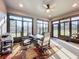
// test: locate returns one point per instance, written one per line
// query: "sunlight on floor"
(70, 45)
(62, 53)
(15, 51)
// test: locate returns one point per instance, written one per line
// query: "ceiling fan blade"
(45, 6)
(52, 6)
(52, 9)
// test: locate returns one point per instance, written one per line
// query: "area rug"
(31, 53)
(6, 57)
(35, 53)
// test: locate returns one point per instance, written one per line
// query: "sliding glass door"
(75, 26)
(55, 28)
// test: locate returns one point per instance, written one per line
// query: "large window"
(75, 25)
(67, 33)
(13, 28)
(27, 26)
(62, 29)
(20, 26)
(42, 26)
(64, 26)
(55, 28)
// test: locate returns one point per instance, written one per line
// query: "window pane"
(55, 30)
(41, 29)
(74, 27)
(67, 29)
(25, 28)
(20, 21)
(27, 25)
(46, 29)
(19, 28)
(42, 26)
(55, 22)
(65, 20)
(30, 27)
(75, 18)
(38, 28)
(27, 19)
(39, 21)
(13, 28)
(62, 28)
(15, 17)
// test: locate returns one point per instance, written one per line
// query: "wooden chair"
(46, 40)
(45, 43)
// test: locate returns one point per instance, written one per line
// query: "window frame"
(70, 25)
(43, 23)
(8, 22)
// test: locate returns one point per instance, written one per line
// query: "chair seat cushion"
(26, 41)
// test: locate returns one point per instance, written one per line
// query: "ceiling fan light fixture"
(20, 5)
(48, 10)
(49, 5)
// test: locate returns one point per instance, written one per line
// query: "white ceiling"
(34, 7)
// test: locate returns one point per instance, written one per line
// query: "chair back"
(46, 39)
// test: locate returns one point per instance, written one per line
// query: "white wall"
(14, 11)
(3, 16)
(66, 15)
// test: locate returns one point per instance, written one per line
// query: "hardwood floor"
(19, 53)
(16, 48)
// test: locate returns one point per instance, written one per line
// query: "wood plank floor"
(30, 53)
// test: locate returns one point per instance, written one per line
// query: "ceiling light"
(47, 10)
(74, 5)
(21, 5)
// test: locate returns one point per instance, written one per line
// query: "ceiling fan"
(49, 5)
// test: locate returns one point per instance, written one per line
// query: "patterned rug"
(5, 57)
(36, 53)
(31, 53)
